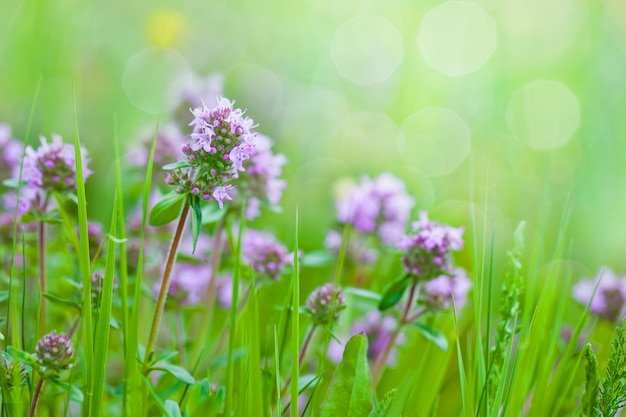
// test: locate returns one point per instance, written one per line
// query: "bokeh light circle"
(366, 49)
(434, 141)
(154, 77)
(457, 38)
(543, 114)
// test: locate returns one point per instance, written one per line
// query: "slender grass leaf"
(167, 209)
(317, 259)
(363, 294)
(176, 371)
(62, 301)
(196, 220)
(350, 391)
(433, 335)
(394, 293)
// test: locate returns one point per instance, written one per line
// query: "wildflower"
(379, 330)
(189, 283)
(167, 148)
(357, 251)
(439, 292)
(10, 153)
(14, 371)
(50, 168)
(203, 91)
(54, 354)
(609, 301)
(325, 303)
(261, 182)
(222, 140)
(428, 249)
(264, 253)
(379, 206)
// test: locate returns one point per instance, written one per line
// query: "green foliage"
(589, 403)
(167, 209)
(613, 388)
(394, 293)
(349, 393)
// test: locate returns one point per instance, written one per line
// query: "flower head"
(167, 148)
(54, 353)
(380, 206)
(188, 284)
(221, 143)
(439, 292)
(10, 153)
(49, 168)
(609, 300)
(264, 253)
(325, 303)
(427, 251)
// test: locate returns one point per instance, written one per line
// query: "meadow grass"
(268, 352)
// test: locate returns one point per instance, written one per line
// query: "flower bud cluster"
(427, 251)
(54, 354)
(325, 303)
(264, 253)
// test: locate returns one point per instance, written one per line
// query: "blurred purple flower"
(609, 301)
(379, 206)
(428, 249)
(168, 146)
(378, 330)
(11, 153)
(357, 251)
(439, 292)
(261, 181)
(188, 285)
(264, 253)
(325, 303)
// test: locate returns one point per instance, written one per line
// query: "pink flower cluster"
(605, 294)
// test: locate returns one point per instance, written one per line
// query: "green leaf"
(196, 220)
(318, 258)
(4, 295)
(167, 209)
(172, 408)
(363, 294)
(350, 391)
(394, 293)
(212, 213)
(175, 165)
(434, 335)
(61, 301)
(14, 183)
(176, 371)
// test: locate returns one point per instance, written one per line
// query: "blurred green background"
(515, 106)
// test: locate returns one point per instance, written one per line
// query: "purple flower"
(220, 146)
(358, 251)
(379, 206)
(439, 292)
(168, 146)
(188, 285)
(51, 167)
(11, 153)
(378, 330)
(53, 354)
(427, 251)
(609, 301)
(262, 182)
(325, 303)
(264, 253)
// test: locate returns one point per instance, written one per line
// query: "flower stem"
(381, 359)
(42, 278)
(165, 283)
(303, 350)
(33, 405)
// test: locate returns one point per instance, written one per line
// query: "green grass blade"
(134, 388)
(103, 326)
(295, 327)
(255, 383)
(85, 267)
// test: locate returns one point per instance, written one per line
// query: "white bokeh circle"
(457, 37)
(367, 49)
(434, 141)
(543, 114)
(154, 77)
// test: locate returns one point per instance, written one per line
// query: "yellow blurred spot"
(163, 27)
